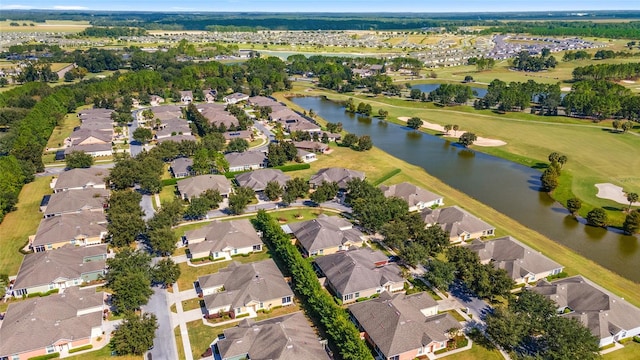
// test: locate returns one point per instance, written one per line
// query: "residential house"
(248, 160)
(287, 337)
(181, 167)
(95, 150)
(523, 264)
(312, 146)
(258, 179)
(306, 156)
(341, 176)
(177, 138)
(417, 198)
(172, 127)
(186, 97)
(210, 95)
(302, 125)
(87, 137)
(283, 113)
(95, 112)
(235, 98)
(458, 223)
(223, 240)
(262, 101)
(155, 100)
(79, 229)
(67, 202)
(608, 317)
(325, 235)
(359, 273)
(220, 117)
(242, 134)
(242, 289)
(331, 136)
(403, 327)
(195, 186)
(65, 267)
(55, 323)
(78, 179)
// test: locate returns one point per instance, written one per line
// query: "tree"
(626, 126)
(468, 79)
(616, 125)
(415, 94)
(142, 134)
(467, 139)
(447, 128)
(573, 205)
(273, 190)
(297, 187)
(549, 179)
(365, 143)
(165, 272)
(440, 274)
(505, 328)
(455, 129)
(237, 145)
(631, 198)
(4, 284)
(597, 217)
(349, 140)
(631, 223)
(163, 240)
(553, 157)
(325, 192)
(135, 334)
(414, 123)
(383, 113)
(78, 159)
(125, 217)
(131, 290)
(240, 199)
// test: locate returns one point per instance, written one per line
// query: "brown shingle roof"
(325, 232)
(67, 227)
(196, 185)
(76, 201)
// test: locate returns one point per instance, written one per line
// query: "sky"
(323, 6)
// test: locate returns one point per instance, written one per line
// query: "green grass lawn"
(104, 354)
(189, 274)
(18, 225)
(631, 351)
(477, 352)
(167, 194)
(179, 345)
(191, 304)
(201, 336)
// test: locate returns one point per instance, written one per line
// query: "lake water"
(506, 186)
(427, 88)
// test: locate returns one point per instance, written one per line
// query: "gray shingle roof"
(262, 101)
(67, 262)
(76, 200)
(243, 283)
(601, 312)
(34, 324)
(325, 232)
(177, 138)
(224, 236)
(196, 185)
(246, 158)
(396, 324)
(258, 179)
(288, 337)
(517, 259)
(81, 178)
(454, 220)
(70, 226)
(89, 148)
(170, 126)
(358, 270)
(81, 135)
(410, 193)
(181, 165)
(341, 176)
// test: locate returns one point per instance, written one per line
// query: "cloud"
(69, 7)
(16, 7)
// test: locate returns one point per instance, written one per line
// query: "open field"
(48, 26)
(609, 157)
(18, 225)
(574, 263)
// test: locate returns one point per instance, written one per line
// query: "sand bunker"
(481, 141)
(628, 81)
(613, 192)
(566, 88)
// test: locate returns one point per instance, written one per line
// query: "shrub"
(242, 315)
(45, 357)
(81, 348)
(293, 167)
(636, 339)
(168, 182)
(560, 275)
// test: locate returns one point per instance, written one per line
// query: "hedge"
(45, 357)
(293, 167)
(169, 182)
(81, 348)
(41, 294)
(319, 305)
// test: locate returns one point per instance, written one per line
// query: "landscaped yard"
(475, 353)
(631, 351)
(104, 354)
(189, 274)
(178, 335)
(191, 304)
(18, 225)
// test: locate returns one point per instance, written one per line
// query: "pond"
(506, 186)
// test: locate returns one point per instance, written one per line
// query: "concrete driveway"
(164, 344)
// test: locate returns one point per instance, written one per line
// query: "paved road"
(135, 147)
(164, 345)
(147, 206)
(258, 125)
(477, 307)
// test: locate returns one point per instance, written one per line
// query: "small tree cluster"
(325, 192)
(467, 139)
(415, 123)
(483, 280)
(125, 217)
(550, 177)
(199, 206)
(135, 334)
(362, 143)
(294, 189)
(78, 159)
(239, 200)
(280, 153)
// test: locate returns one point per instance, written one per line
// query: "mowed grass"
(63, 130)
(596, 155)
(18, 225)
(104, 354)
(631, 351)
(47, 26)
(378, 163)
(179, 345)
(477, 352)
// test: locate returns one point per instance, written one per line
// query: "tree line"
(611, 72)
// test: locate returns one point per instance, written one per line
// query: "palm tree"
(631, 198)
(455, 129)
(562, 160)
(447, 128)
